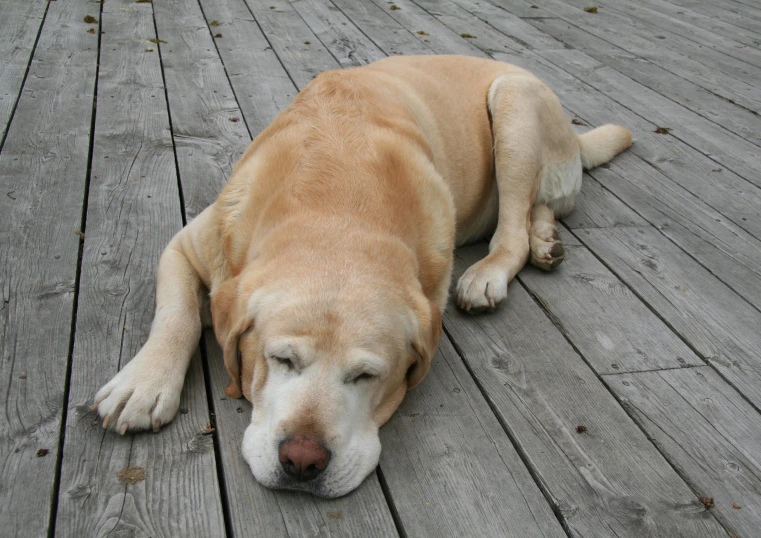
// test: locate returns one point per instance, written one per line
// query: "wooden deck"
(118, 131)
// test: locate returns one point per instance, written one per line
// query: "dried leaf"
(91, 20)
(131, 475)
(592, 9)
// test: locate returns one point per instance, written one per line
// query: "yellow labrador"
(328, 254)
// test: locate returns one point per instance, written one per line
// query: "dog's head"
(325, 350)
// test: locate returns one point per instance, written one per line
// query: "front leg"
(517, 166)
(146, 392)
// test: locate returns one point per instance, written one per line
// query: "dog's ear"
(425, 343)
(228, 313)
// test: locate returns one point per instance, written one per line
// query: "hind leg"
(547, 251)
(518, 166)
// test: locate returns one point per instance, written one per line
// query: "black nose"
(303, 459)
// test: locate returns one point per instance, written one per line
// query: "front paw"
(483, 285)
(139, 397)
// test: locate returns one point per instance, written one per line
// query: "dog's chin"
(344, 478)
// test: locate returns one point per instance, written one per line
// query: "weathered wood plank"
(706, 430)
(674, 97)
(605, 321)
(734, 13)
(376, 23)
(716, 25)
(337, 33)
(665, 16)
(133, 211)
(297, 47)
(43, 171)
(694, 46)
(261, 85)
(719, 324)
(450, 466)
(437, 37)
(259, 512)
(607, 481)
(207, 127)
(620, 35)
(21, 26)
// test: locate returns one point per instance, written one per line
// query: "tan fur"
(336, 230)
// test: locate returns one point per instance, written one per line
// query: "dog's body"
(328, 255)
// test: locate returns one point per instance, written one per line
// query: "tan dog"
(328, 255)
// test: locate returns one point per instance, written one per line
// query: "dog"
(328, 255)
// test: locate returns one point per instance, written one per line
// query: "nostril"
(303, 459)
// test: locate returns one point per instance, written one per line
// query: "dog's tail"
(600, 145)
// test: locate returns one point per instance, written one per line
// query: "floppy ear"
(229, 319)
(425, 344)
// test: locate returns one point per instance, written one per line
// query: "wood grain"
(607, 481)
(450, 467)
(133, 211)
(21, 25)
(625, 37)
(716, 322)
(610, 326)
(43, 171)
(706, 430)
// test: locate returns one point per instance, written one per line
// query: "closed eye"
(364, 377)
(288, 363)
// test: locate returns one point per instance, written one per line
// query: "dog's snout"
(303, 459)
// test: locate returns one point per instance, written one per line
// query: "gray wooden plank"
(133, 211)
(607, 481)
(674, 95)
(203, 107)
(43, 171)
(302, 54)
(450, 466)
(620, 35)
(21, 25)
(207, 126)
(437, 37)
(716, 322)
(733, 13)
(261, 85)
(666, 16)
(707, 431)
(378, 25)
(260, 512)
(337, 33)
(597, 207)
(605, 321)
(697, 47)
